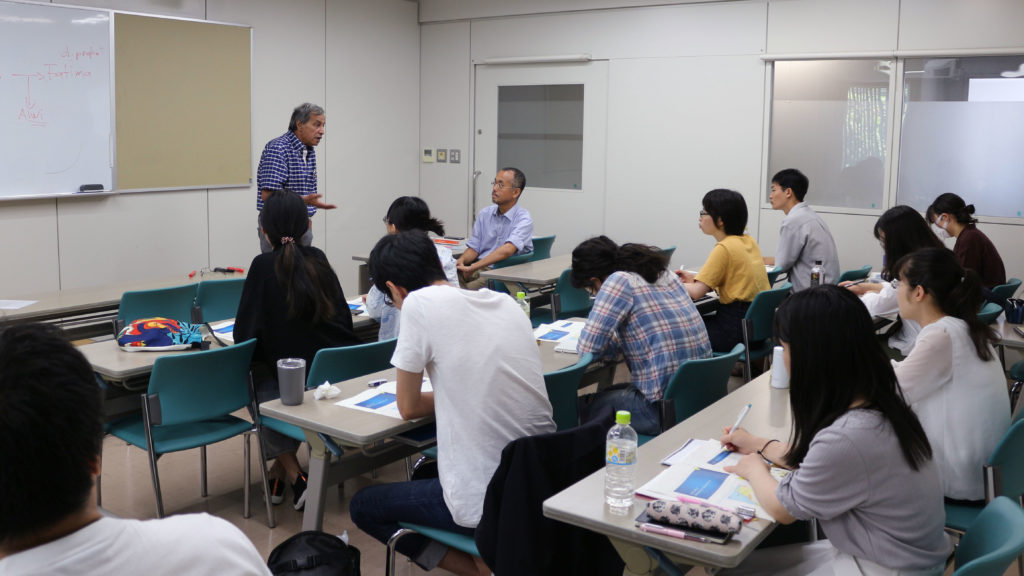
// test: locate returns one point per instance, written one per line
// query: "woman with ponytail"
(292, 303)
(641, 311)
(952, 378)
(950, 216)
(407, 213)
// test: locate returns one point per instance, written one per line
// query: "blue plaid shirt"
(655, 326)
(287, 164)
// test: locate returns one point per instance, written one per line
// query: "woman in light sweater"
(952, 379)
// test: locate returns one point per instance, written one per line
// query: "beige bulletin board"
(183, 99)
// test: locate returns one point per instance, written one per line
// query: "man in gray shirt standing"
(804, 236)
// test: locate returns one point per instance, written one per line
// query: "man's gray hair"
(302, 113)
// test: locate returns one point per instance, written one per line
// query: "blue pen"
(375, 383)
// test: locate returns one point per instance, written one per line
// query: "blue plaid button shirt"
(285, 165)
(655, 326)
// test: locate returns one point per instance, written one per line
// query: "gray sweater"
(868, 500)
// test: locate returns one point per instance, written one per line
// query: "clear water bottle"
(523, 302)
(620, 464)
(816, 274)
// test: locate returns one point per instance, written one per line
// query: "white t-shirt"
(886, 303)
(484, 364)
(194, 544)
(960, 400)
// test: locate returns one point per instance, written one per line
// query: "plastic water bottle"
(620, 464)
(523, 302)
(816, 274)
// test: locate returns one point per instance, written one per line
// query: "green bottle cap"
(622, 417)
(520, 295)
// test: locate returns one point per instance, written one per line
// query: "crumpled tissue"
(326, 390)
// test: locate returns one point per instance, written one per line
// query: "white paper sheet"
(15, 304)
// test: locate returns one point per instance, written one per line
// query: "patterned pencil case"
(693, 515)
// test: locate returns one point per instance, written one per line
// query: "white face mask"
(940, 231)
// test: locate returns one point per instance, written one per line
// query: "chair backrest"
(1007, 290)
(668, 252)
(993, 541)
(774, 274)
(761, 312)
(1007, 464)
(513, 260)
(851, 275)
(218, 299)
(174, 303)
(345, 362)
(989, 312)
(698, 384)
(563, 386)
(542, 247)
(197, 386)
(572, 301)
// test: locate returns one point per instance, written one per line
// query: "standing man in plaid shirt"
(641, 311)
(288, 164)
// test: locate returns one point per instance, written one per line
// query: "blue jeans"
(377, 510)
(644, 416)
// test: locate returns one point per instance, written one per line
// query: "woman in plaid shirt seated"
(641, 312)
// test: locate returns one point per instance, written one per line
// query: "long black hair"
(956, 291)
(309, 284)
(835, 361)
(598, 257)
(411, 213)
(903, 230)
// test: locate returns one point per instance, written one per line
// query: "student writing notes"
(861, 462)
(641, 311)
(478, 349)
(734, 268)
(952, 378)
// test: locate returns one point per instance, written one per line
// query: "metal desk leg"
(316, 489)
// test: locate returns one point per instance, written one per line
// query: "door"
(550, 121)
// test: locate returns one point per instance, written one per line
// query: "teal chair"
(774, 274)
(218, 299)
(567, 301)
(851, 275)
(668, 252)
(993, 541)
(989, 312)
(757, 326)
(696, 385)
(454, 540)
(1005, 291)
(189, 404)
(174, 303)
(1017, 375)
(542, 247)
(1004, 476)
(563, 387)
(335, 365)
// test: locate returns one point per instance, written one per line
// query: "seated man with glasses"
(500, 231)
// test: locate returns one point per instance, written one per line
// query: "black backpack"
(314, 553)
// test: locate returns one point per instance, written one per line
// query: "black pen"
(856, 282)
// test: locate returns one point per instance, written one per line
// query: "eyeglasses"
(704, 213)
(501, 185)
(385, 220)
(895, 283)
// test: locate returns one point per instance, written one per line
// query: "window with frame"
(540, 131)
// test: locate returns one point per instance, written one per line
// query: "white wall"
(358, 59)
(686, 95)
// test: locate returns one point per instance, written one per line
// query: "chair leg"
(147, 421)
(389, 565)
(271, 522)
(245, 476)
(156, 485)
(408, 468)
(202, 471)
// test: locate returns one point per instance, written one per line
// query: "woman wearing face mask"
(950, 217)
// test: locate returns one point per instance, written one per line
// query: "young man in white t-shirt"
(478, 349)
(51, 431)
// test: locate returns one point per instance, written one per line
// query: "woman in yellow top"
(734, 269)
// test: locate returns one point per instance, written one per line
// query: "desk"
(99, 303)
(375, 437)
(582, 504)
(539, 273)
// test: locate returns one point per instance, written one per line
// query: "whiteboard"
(55, 100)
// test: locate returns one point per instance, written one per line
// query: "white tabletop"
(583, 503)
(536, 273)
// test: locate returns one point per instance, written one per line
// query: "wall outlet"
(454, 156)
